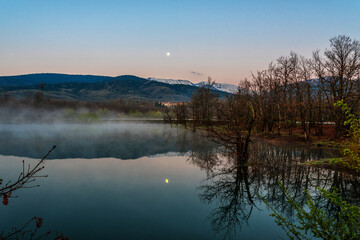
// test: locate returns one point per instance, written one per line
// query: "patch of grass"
(154, 114)
(327, 143)
(325, 161)
(88, 117)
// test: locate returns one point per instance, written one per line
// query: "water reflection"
(230, 187)
(233, 186)
(118, 140)
(124, 194)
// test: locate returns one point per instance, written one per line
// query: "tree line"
(293, 92)
(38, 100)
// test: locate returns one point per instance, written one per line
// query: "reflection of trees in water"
(283, 165)
(234, 186)
(123, 140)
(204, 153)
(229, 185)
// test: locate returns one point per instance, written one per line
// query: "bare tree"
(239, 114)
(27, 176)
(169, 115)
(338, 72)
(182, 114)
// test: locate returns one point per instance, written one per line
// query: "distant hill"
(97, 88)
(50, 78)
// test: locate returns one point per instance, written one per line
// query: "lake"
(138, 180)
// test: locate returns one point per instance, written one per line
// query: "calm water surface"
(108, 181)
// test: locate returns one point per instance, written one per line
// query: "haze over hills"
(100, 88)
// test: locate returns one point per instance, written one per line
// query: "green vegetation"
(138, 114)
(88, 117)
(68, 113)
(96, 116)
(104, 112)
(351, 146)
(153, 114)
(326, 161)
(312, 221)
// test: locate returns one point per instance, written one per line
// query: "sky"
(224, 39)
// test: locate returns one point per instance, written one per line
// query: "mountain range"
(99, 88)
(224, 87)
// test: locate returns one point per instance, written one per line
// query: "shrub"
(352, 146)
(314, 222)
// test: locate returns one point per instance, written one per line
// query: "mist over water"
(178, 184)
(74, 112)
(123, 140)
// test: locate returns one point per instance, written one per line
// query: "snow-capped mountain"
(171, 81)
(225, 87)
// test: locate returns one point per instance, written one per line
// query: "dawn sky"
(222, 39)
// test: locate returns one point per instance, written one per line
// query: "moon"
(168, 54)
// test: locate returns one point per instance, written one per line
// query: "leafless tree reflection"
(233, 186)
(230, 186)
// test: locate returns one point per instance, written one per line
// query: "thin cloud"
(196, 73)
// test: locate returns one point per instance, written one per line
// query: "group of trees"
(229, 120)
(37, 106)
(295, 89)
(122, 105)
(292, 92)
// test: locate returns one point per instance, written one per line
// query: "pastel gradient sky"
(223, 39)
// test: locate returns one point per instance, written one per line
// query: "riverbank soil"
(326, 139)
